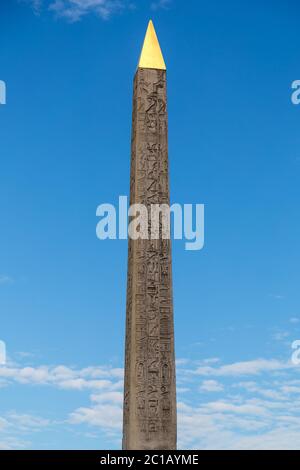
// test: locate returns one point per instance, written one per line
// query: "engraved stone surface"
(150, 387)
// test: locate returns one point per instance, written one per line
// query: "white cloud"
(105, 416)
(161, 4)
(249, 414)
(234, 423)
(294, 320)
(254, 367)
(13, 427)
(247, 408)
(252, 419)
(254, 388)
(211, 360)
(113, 397)
(4, 279)
(75, 10)
(277, 296)
(227, 429)
(3, 423)
(281, 335)
(12, 443)
(26, 422)
(91, 378)
(180, 390)
(211, 386)
(35, 4)
(182, 362)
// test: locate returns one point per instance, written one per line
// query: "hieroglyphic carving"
(150, 396)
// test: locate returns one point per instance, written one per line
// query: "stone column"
(150, 387)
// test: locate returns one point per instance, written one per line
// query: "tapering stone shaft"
(150, 388)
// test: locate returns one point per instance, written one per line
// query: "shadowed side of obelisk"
(150, 388)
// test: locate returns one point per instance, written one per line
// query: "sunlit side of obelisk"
(150, 386)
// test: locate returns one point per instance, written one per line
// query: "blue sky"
(65, 149)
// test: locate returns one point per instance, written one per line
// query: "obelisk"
(150, 386)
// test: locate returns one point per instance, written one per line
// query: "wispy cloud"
(211, 386)
(161, 4)
(13, 427)
(35, 4)
(260, 413)
(253, 419)
(91, 378)
(277, 296)
(4, 279)
(75, 10)
(13, 443)
(254, 367)
(280, 335)
(232, 425)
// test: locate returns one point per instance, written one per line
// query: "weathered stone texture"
(150, 388)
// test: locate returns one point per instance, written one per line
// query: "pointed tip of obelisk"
(151, 55)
